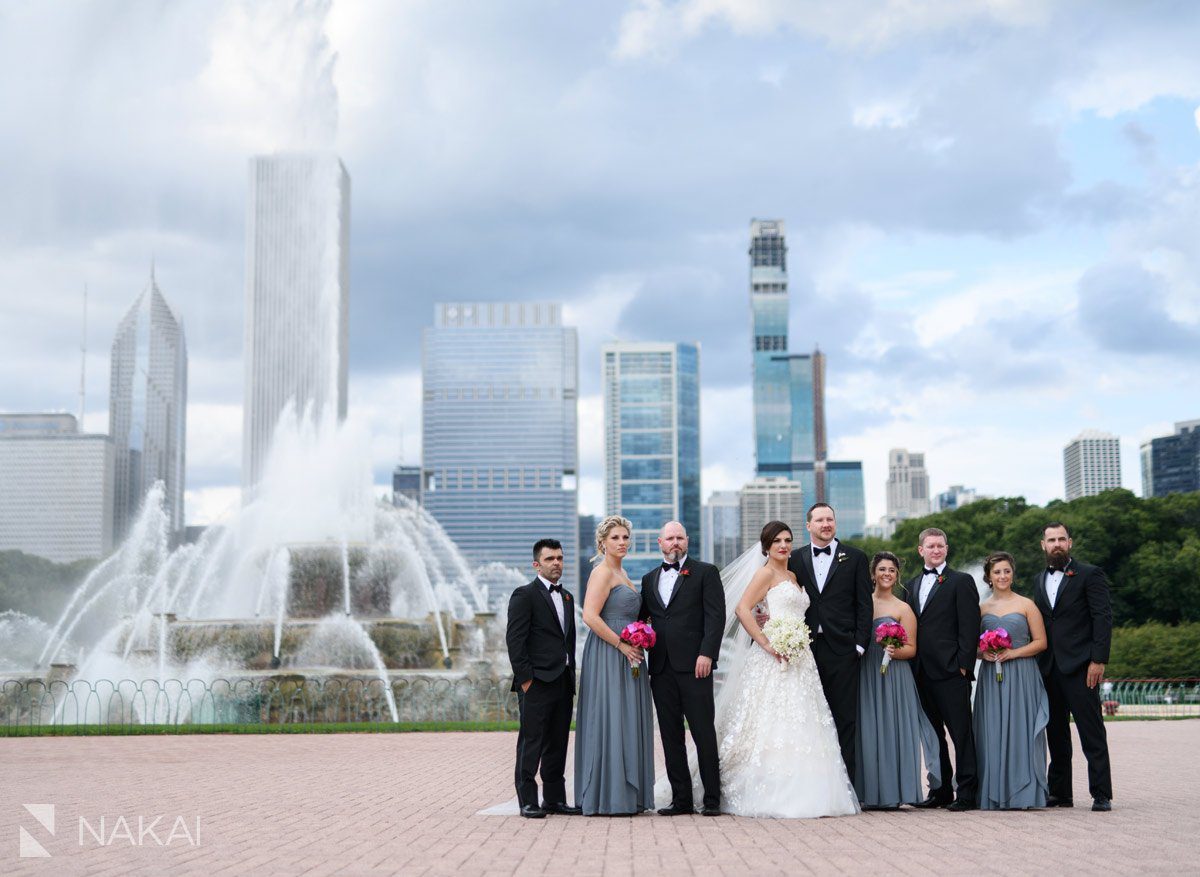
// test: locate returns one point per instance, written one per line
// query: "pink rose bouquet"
(642, 635)
(890, 633)
(996, 641)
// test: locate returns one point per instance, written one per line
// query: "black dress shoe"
(675, 811)
(563, 809)
(529, 811)
(933, 802)
(1101, 805)
(710, 811)
(1052, 801)
(961, 806)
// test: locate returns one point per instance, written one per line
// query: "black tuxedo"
(947, 645)
(1078, 631)
(841, 611)
(541, 650)
(689, 625)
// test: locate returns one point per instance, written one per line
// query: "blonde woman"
(614, 742)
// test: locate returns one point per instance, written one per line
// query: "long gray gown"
(1010, 725)
(894, 734)
(614, 725)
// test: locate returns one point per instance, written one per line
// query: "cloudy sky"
(993, 206)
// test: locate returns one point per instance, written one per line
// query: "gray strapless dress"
(614, 724)
(1010, 725)
(894, 734)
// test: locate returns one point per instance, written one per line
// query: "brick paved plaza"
(407, 804)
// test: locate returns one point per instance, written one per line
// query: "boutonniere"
(685, 572)
(841, 556)
(1070, 573)
(941, 579)
(566, 596)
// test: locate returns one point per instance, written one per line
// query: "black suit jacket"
(843, 609)
(1079, 627)
(948, 629)
(538, 647)
(692, 623)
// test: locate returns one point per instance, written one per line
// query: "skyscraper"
(499, 427)
(147, 409)
(56, 488)
(1091, 464)
(652, 443)
(1171, 463)
(297, 297)
(789, 388)
(907, 485)
(846, 492)
(771, 498)
(722, 526)
(406, 482)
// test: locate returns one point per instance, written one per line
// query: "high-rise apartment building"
(1091, 464)
(907, 485)
(1171, 463)
(771, 498)
(722, 526)
(147, 410)
(652, 443)
(297, 297)
(499, 427)
(789, 388)
(56, 488)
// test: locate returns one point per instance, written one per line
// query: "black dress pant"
(679, 696)
(545, 727)
(947, 703)
(1069, 696)
(839, 681)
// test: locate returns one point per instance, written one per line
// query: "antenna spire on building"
(83, 359)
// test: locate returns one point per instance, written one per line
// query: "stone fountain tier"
(318, 574)
(247, 645)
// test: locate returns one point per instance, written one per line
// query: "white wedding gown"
(776, 738)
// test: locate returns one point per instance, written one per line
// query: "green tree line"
(38, 587)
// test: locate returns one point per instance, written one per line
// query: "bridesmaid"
(1011, 715)
(894, 734)
(614, 726)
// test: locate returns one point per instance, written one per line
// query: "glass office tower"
(499, 428)
(652, 443)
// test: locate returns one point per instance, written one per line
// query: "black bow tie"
(930, 572)
(1054, 569)
(556, 589)
(667, 566)
(826, 550)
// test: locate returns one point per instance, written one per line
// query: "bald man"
(685, 602)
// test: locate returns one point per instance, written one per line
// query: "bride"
(778, 745)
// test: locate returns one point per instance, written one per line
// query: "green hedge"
(1155, 650)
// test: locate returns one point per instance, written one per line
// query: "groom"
(541, 649)
(838, 583)
(685, 602)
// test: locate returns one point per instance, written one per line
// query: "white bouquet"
(789, 636)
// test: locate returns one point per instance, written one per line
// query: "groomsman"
(685, 602)
(838, 583)
(541, 649)
(1074, 601)
(946, 603)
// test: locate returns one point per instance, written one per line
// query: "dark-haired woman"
(1011, 713)
(894, 734)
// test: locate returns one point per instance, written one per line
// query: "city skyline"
(985, 246)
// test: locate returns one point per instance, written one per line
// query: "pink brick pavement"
(407, 804)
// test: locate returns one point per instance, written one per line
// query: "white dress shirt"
(1053, 582)
(927, 582)
(557, 600)
(821, 564)
(667, 579)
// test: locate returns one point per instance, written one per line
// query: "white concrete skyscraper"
(907, 485)
(297, 297)
(1091, 464)
(147, 409)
